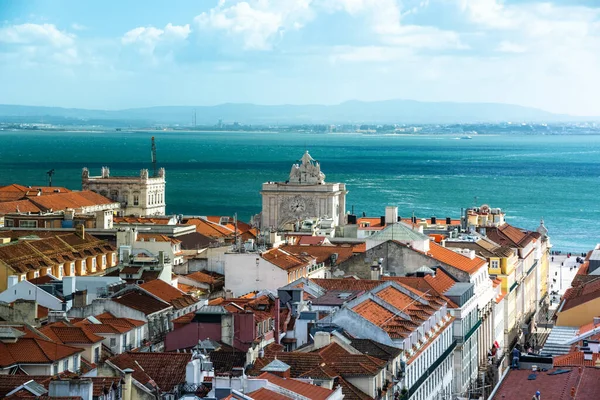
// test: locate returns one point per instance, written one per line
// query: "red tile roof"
(312, 392)
(70, 334)
(201, 277)
(266, 394)
(306, 240)
(169, 294)
(142, 302)
(454, 259)
(148, 237)
(165, 369)
(30, 350)
(285, 260)
(516, 385)
(142, 220)
(321, 253)
(210, 229)
(20, 206)
(575, 359)
(346, 284)
(576, 296)
(74, 200)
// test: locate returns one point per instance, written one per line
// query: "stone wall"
(398, 260)
(22, 311)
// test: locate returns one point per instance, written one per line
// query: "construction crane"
(50, 173)
(154, 157)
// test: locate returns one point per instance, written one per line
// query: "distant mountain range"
(389, 111)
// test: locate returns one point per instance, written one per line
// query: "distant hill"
(390, 111)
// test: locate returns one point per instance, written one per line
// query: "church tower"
(305, 195)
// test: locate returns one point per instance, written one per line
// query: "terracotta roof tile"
(30, 350)
(285, 260)
(266, 394)
(20, 206)
(70, 334)
(74, 200)
(168, 293)
(201, 277)
(454, 259)
(516, 385)
(321, 253)
(209, 229)
(142, 302)
(148, 237)
(142, 220)
(165, 369)
(313, 392)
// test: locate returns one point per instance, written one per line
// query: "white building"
(141, 195)
(305, 195)
(270, 270)
(423, 331)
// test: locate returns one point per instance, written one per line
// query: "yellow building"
(33, 254)
(579, 305)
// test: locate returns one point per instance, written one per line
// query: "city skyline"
(114, 56)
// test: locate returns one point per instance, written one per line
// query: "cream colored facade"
(579, 315)
(141, 195)
(305, 195)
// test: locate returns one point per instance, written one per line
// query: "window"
(66, 365)
(55, 369)
(72, 269)
(36, 274)
(93, 263)
(104, 260)
(61, 271)
(136, 199)
(75, 363)
(96, 355)
(113, 342)
(114, 258)
(9, 223)
(28, 224)
(495, 264)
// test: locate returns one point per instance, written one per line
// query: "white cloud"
(506, 46)
(258, 24)
(149, 38)
(32, 44)
(78, 27)
(36, 34)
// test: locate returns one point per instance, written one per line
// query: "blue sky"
(122, 54)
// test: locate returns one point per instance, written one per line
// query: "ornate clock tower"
(304, 195)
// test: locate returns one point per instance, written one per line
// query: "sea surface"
(556, 177)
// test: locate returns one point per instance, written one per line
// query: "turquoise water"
(555, 177)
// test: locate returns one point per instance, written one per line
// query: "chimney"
(448, 221)
(127, 388)
(80, 231)
(391, 214)
(12, 280)
(375, 271)
(382, 220)
(433, 220)
(277, 316)
(80, 298)
(161, 258)
(322, 339)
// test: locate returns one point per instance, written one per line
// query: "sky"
(127, 54)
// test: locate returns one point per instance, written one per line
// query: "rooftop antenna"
(50, 173)
(154, 157)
